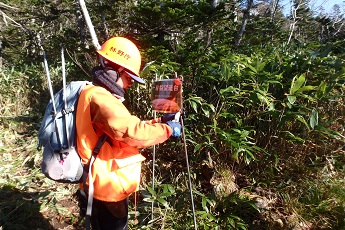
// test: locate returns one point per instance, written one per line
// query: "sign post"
(167, 98)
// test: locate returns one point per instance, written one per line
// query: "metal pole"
(49, 81)
(189, 178)
(63, 66)
(153, 169)
(52, 96)
(153, 160)
(187, 162)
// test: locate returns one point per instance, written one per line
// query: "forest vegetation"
(263, 102)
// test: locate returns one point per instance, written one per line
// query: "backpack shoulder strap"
(95, 152)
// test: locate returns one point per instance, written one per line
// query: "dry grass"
(28, 200)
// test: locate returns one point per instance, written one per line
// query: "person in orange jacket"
(117, 167)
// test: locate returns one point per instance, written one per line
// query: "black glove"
(168, 117)
(176, 127)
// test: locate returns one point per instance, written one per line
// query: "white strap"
(90, 195)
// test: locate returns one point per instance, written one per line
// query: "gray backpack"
(57, 136)
(61, 161)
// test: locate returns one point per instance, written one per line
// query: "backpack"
(57, 136)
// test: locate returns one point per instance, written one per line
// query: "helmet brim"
(135, 77)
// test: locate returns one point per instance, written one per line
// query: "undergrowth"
(241, 179)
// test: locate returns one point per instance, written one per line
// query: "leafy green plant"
(164, 191)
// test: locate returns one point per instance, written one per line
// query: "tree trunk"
(215, 3)
(0, 54)
(294, 7)
(274, 9)
(80, 22)
(246, 15)
(104, 22)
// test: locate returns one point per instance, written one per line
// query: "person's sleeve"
(113, 118)
(153, 121)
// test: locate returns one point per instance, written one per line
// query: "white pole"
(89, 24)
(153, 169)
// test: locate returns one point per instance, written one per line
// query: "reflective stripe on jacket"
(116, 170)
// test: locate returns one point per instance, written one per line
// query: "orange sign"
(167, 95)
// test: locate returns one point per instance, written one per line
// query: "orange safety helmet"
(125, 53)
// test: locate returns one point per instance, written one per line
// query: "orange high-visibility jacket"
(116, 170)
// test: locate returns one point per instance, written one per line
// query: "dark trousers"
(109, 215)
(105, 215)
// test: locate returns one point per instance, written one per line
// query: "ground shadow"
(24, 210)
(21, 210)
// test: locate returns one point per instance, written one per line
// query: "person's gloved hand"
(168, 117)
(176, 127)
